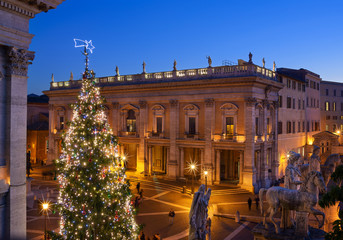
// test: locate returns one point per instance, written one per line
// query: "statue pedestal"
(302, 224)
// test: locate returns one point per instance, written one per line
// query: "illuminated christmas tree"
(95, 198)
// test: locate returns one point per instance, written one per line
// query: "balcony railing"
(199, 73)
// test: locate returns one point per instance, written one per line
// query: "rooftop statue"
(174, 65)
(117, 70)
(209, 61)
(250, 57)
(263, 63)
(198, 215)
(144, 64)
(274, 66)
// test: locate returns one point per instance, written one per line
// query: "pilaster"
(173, 153)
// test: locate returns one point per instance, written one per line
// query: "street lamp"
(193, 167)
(45, 209)
(205, 173)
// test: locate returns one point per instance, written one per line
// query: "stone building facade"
(38, 128)
(299, 112)
(14, 60)
(331, 95)
(223, 118)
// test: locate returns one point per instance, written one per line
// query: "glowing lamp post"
(206, 173)
(193, 169)
(45, 209)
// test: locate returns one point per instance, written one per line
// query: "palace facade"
(222, 118)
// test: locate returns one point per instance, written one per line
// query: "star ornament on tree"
(84, 43)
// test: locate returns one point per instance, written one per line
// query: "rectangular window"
(318, 86)
(159, 124)
(191, 125)
(47, 145)
(293, 127)
(256, 126)
(334, 117)
(307, 102)
(229, 126)
(289, 102)
(293, 103)
(327, 92)
(316, 126)
(299, 104)
(289, 127)
(326, 127)
(61, 123)
(327, 106)
(308, 126)
(334, 106)
(279, 127)
(131, 125)
(280, 101)
(268, 126)
(299, 127)
(294, 85)
(327, 117)
(303, 87)
(303, 126)
(299, 86)
(288, 83)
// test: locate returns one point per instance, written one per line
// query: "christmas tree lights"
(95, 199)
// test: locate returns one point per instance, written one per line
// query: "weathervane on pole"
(88, 45)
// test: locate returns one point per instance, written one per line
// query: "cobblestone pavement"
(159, 197)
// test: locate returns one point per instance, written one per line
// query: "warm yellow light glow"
(45, 206)
(310, 140)
(124, 158)
(338, 132)
(287, 155)
(205, 172)
(192, 166)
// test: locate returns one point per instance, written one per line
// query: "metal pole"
(192, 184)
(45, 228)
(206, 183)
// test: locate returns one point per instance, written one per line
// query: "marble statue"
(144, 64)
(329, 166)
(198, 215)
(315, 159)
(117, 70)
(250, 57)
(303, 200)
(209, 61)
(274, 66)
(174, 65)
(263, 63)
(292, 171)
(71, 76)
(52, 78)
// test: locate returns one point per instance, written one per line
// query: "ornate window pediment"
(128, 107)
(229, 108)
(158, 109)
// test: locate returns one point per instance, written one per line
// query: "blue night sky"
(295, 34)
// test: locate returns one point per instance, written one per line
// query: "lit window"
(334, 106)
(61, 123)
(327, 106)
(131, 121)
(229, 126)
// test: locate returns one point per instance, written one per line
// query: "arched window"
(229, 120)
(131, 121)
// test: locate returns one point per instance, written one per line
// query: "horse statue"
(301, 201)
(330, 165)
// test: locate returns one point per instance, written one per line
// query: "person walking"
(142, 237)
(136, 202)
(257, 201)
(171, 216)
(138, 186)
(141, 195)
(249, 203)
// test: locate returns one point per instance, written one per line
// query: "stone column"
(202, 166)
(301, 229)
(52, 126)
(143, 120)
(275, 155)
(249, 176)
(114, 121)
(241, 166)
(173, 128)
(16, 113)
(150, 160)
(209, 129)
(217, 180)
(182, 162)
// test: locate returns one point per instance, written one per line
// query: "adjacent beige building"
(14, 60)
(331, 94)
(223, 118)
(299, 112)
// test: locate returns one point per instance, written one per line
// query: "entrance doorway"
(159, 160)
(130, 150)
(229, 166)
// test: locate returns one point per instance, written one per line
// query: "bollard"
(184, 189)
(237, 217)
